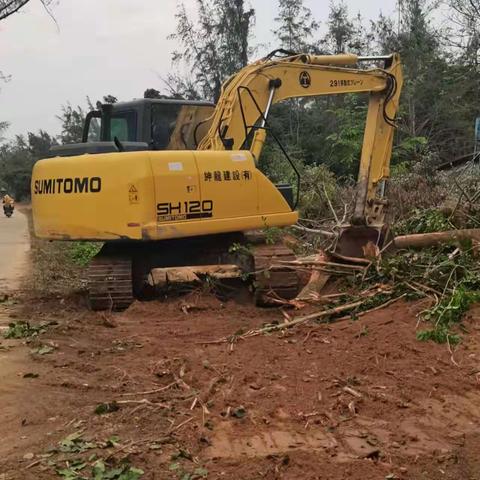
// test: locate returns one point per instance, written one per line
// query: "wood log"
(421, 240)
(182, 275)
(316, 283)
(162, 276)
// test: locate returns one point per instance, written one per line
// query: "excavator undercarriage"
(121, 272)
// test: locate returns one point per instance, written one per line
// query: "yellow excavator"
(193, 188)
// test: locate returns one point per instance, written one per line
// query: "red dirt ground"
(350, 400)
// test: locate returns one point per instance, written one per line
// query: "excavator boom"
(247, 97)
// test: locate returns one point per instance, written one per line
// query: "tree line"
(440, 98)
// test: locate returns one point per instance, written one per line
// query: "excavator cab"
(143, 124)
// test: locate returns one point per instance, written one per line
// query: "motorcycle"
(8, 210)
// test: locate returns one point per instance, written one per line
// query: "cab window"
(123, 126)
(164, 119)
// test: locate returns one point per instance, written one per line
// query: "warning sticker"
(133, 194)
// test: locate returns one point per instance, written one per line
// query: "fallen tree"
(422, 240)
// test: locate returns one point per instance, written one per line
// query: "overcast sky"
(100, 47)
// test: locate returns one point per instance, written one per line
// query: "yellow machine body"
(217, 187)
(189, 204)
(153, 195)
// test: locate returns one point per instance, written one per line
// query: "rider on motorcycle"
(8, 202)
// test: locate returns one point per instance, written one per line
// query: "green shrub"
(82, 252)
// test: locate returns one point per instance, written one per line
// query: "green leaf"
(23, 329)
(98, 470)
(74, 443)
(202, 472)
(239, 412)
(44, 350)
(82, 252)
(71, 472)
(113, 441)
(68, 474)
(131, 474)
(103, 408)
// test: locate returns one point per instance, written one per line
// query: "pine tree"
(3, 127)
(295, 30)
(214, 48)
(72, 120)
(296, 26)
(9, 7)
(465, 15)
(418, 43)
(345, 34)
(440, 97)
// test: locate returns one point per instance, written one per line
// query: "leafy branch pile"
(424, 221)
(22, 329)
(99, 471)
(86, 463)
(449, 275)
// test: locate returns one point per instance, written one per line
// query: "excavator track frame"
(110, 282)
(274, 282)
(113, 279)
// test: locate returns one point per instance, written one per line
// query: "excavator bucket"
(355, 241)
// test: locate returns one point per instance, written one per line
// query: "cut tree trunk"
(421, 240)
(160, 277)
(317, 281)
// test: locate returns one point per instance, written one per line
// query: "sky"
(99, 47)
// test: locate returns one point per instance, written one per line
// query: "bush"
(424, 221)
(82, 252)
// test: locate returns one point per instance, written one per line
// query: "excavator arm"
(240, 117)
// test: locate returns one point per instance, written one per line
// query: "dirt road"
(14, 243)
(14, 247)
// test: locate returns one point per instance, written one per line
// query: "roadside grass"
(58, 267)
(82, 252)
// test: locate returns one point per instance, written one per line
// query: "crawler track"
(110, 282)
(274, 281)
(110, 277)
